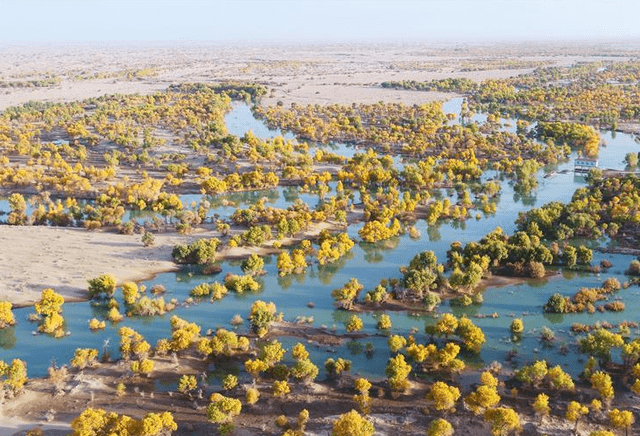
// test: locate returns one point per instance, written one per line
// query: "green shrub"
(200, 252)
(103, 286)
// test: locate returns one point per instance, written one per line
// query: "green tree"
(631, 159)
(223, 409)
(472, 336)
(634, 268)
(305, 370)
(102, 286)
(280, 388)
(187, 383)
(584, 255)
(556, 304)
(431, 300)
(384, 322)
(18, 205)
(271, 353)
(241, 284)
(202, 251)
(255, 367)
(600, 343)
(422, 273)
(253, 265)
(261, 315)
(148, 239)
(570, 256)
(337, 366)
(229, 382)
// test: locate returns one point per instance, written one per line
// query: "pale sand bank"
(34, 258)
(17, 426)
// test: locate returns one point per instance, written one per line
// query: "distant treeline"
(235, 91)
(42, 83)
(597, 93)
(461, 85)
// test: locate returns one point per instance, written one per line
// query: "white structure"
(584, 164)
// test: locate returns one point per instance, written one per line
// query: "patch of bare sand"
(34, 258)
(19, 427)
(64, 259)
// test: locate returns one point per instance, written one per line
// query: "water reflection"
(374, 252)
(433, 232)
(355, 347)
(8, 338)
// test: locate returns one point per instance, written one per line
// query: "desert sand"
(301, 74)
(35, 257)
(64, 259)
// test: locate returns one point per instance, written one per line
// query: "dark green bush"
(202, 251)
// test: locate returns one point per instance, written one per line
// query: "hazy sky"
(315, 20)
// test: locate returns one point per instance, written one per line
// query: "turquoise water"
(369, 263)
(240, 120)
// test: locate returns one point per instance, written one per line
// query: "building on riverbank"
(584, 164)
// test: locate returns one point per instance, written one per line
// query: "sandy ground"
(311, 74)
(52, 404)
(38, 257)
(34, 258)
(18, 426)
